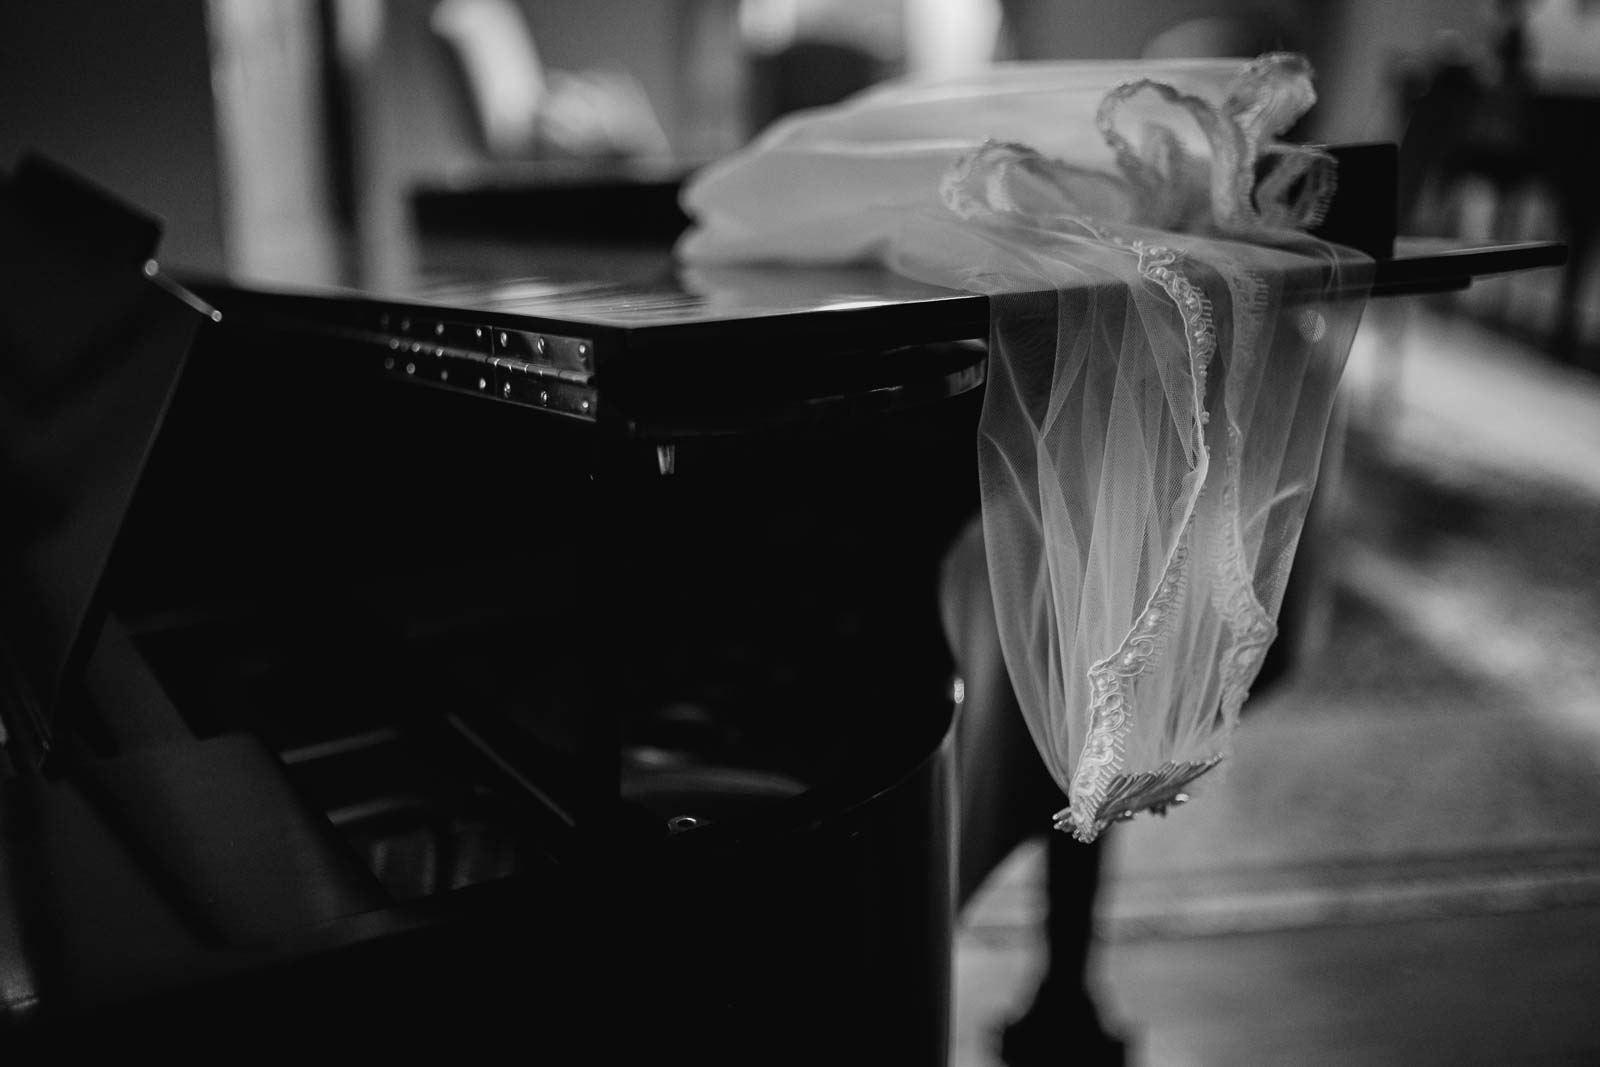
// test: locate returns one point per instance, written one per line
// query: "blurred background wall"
(276, 135)
(121, 92)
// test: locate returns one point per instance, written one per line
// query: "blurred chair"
(1468, 125)
(1459, 128)
(807, 74)
(522, 109)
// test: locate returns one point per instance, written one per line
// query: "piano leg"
(1005, 798)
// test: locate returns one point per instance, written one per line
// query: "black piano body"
(532, 657)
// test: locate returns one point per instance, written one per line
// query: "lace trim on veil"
(1266, 99)
(1250, 625)
(1099, 791)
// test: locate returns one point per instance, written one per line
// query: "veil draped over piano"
(1165, 345)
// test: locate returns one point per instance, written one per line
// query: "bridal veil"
(1165, 347)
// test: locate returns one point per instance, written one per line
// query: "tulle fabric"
(1165, 346)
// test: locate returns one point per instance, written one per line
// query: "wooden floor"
(1490, 990)
(1422, 951)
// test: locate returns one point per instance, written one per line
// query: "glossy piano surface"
(646, 292)
(627, 334)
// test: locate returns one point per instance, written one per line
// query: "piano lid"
(92, 339)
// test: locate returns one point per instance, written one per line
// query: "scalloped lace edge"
(1128, 794)
(1095, 778)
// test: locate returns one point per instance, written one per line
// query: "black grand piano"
(528, 653)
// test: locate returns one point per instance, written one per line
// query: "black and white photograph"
(912, 533)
